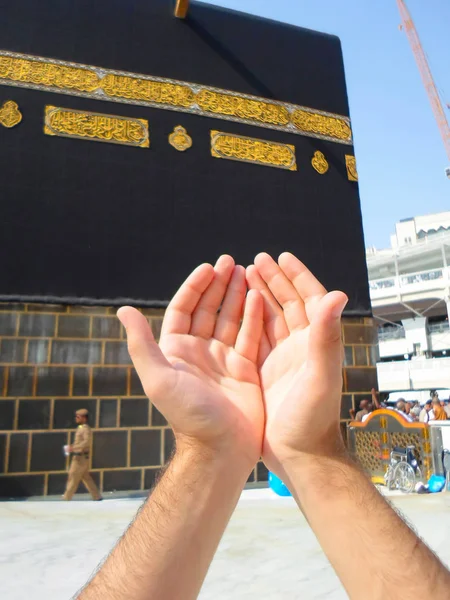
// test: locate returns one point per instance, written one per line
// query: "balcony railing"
(438, 327)
(390, 333)
(406, 280)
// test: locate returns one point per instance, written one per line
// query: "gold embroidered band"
(251, 150)
(80, 124)
(105, 84)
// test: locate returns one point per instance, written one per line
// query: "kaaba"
(135, 145)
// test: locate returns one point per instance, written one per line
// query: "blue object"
(436, 483)
(278, 486)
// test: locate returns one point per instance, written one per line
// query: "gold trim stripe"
(251, 150)
(64, 122)
(34, 72)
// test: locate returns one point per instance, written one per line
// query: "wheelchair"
(403, 470)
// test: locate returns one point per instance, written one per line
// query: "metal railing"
(390, 333)
(438, 327)
(406, 280)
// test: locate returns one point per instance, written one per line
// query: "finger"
(284, 292)
(205, 313)
(310, 290)
(179, 312)
(249, 336)
(264, 349)
(229, 319)
(274, 322)
(150, 363)
(325, 345)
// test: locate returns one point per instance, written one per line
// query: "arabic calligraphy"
(251, 150)
(320, 163)
(352, 171)
(145, 90)
(97, 127)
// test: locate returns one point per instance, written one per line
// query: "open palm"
(300, 359)
(203, 376)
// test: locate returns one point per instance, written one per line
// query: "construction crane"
(427, 76)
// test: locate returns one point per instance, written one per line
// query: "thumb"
(148, 360)
(325, 346)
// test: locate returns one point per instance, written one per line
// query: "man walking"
(79, 467)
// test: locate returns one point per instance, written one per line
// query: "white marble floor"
(49, 549)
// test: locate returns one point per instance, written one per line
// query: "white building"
(410, 294)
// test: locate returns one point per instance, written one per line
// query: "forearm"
(166, 552)
(374, 553)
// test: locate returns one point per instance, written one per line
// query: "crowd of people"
(434, 409)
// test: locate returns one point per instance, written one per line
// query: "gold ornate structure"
(180, 139)
(352, 172)
(181, 9)
(97, 127)
(372, 442)
(10, 115)
(251, 150)
(320, 163)
(75, 79)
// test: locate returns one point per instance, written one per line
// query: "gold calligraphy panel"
(105, 84)
(320, 163)
(352, 172)
(97, 127)
(251, 150)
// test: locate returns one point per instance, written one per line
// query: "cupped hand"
(203, 376)
(300, 361)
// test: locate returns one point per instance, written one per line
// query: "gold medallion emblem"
(320, 163)
(180, 139)
(10, 115)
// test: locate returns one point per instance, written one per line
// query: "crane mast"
(427, 76)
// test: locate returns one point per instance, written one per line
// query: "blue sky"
(401, 157)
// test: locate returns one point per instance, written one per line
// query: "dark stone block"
(21, 486)
(76, 352)
(108, 413)
(12, 306)
(360, 380)
(8, 323)
(12, 351)
(6, 414)
(156, 327)
(38, 351)
(134, 412)
(80, 385)
(348, 356)
(64, 413)
(109, 381)
(34, 414)
(73, 327)
(37, 325)
(47, 452)
(360, 334)
(116, 353)
(251, 477)
(52, 381)
(135, 384)
(374, 355)
(169, 444)
(18, 452)
(346, 405)
(360, 356)
(2, 452)
(2, 379)
(20, 381)
(110, 449)
(121, 480)
(57, 483)
(158, 420)
(151, 477)
(145, 448)
(106, 327)
(262, 474)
